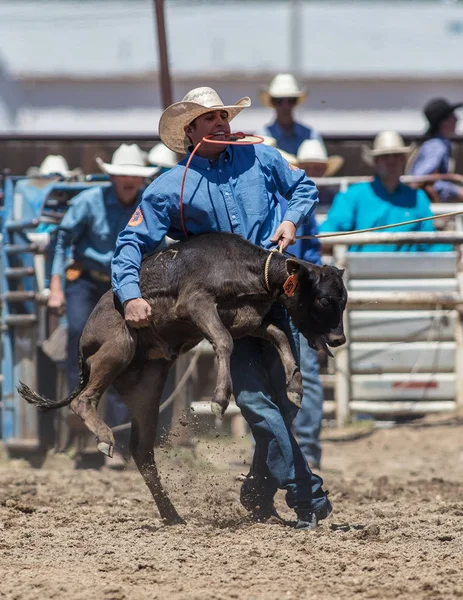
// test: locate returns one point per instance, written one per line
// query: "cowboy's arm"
(294, 185)
(143, 234)
(71, 227)
(424, 210)
(429, 160)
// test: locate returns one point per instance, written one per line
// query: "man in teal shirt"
(383, 201)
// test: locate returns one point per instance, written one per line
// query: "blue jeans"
(260, 392)
(308, 422)
(82, 296)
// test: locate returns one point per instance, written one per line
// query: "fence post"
(342, 355)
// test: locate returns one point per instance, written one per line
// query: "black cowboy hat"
(438, 109)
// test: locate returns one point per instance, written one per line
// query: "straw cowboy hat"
(53, 164)
(196, 103)
(314, 151)
(161, 156)
(283, 85)
(128, 160)
(271, 141)
(386, 142)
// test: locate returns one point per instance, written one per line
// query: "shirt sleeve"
(73, 225)
(429, 158)
(143, 234)
(429, 161)
(341, 216)
(425, 211)
(293, 184)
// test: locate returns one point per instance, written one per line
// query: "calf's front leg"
(277, 337)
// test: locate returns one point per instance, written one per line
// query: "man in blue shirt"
(434, 155)
(383, 201)
(89, 230)
(231, 188)
(283, 95)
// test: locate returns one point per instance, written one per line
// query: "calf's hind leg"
(143, 394)
(104, 366)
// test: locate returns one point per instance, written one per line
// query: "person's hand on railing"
(56, 301)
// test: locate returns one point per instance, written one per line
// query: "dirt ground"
(396, 531)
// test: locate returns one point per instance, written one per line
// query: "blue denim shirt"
(434, 157)
(290, 143)
(235, 193)
(308, 250)
(91, 226)
(366, 205)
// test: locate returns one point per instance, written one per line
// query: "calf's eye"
(324, 302)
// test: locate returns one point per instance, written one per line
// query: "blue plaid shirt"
(235, 193)
(291, 142)
(434, 157)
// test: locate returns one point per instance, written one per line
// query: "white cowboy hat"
(128, 160)
(161, 156)
(196, 103)
(53, 164)
(283, 85)
(386, 142)
(271, 141)
(314, 151)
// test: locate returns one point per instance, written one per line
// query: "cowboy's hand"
(285, 235)
(137, 313)
(56, 301)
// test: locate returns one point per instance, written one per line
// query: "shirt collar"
(281, 132)
(204, 163)
(379, 188)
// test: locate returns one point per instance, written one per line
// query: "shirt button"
(227, 193)
(233, 216)
(208, 168)
(220, 170)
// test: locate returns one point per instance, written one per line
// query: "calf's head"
(317, 304)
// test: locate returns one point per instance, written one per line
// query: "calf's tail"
(46, 404)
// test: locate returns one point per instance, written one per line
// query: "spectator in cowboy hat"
(232, 188)
(385, 200)
(90, 229)
(283, 95)
(434, 156)
(53, 165)
(161, 156)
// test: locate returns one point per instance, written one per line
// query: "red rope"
(207, 139)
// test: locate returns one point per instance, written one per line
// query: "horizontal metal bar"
(24, 248)
(18, 320)
(402, 407)
(18, 296)
(18, 272)
(23, 224)
(383, 299)
(397, 237)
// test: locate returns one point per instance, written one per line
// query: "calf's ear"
(293, 266)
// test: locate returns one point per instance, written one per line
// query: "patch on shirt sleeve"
(136, 218)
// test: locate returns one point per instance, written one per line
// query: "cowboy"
(231, 188)
(434, 155)
(383, 201)
(89, 230)
(312, 157)
(283, 95)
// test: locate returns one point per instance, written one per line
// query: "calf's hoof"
(174, 520)
(106, 448)
(218, 409)
(295, 398)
